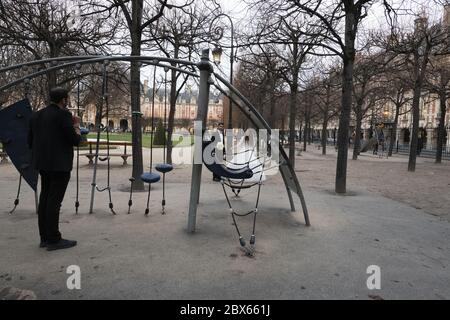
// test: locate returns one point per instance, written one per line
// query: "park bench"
(93, 143)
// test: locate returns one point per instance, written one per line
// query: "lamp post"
(216, 35)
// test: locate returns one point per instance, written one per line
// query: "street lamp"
(217, 34)
(217, 54)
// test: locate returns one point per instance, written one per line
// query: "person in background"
(220, 144)
(419, 143)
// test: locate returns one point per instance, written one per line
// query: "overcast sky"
(376, 19)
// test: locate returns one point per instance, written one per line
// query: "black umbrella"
(14, 126)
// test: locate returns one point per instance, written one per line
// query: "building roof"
(186, 95)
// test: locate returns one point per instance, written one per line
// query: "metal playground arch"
(207, 77)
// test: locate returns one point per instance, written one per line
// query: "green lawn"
(127, 137)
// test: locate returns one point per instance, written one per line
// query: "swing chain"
(248, 251)
(78, 75)
(16, 201)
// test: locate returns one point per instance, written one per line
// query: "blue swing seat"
(164, 167)
(150, 177)
(225, 172)
(84, 131)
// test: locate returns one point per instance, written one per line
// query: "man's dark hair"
(57, 94)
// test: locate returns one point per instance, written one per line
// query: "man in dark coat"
(53, 134)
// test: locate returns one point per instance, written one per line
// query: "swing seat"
(150, 177)
(164, 167)
(226, 172)
(84, 131)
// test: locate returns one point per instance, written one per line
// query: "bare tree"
(336, 25)
(178, 35)
(416, 49)
(438, 82)
(306, 104)
(282, 34)
(11, 55)
(325, 98)
(91, 84)
(49, 29)
(397, 87)
(366, 85)
(259, 80)
(136, 15)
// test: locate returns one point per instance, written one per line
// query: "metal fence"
(403, 149)
(425, 152)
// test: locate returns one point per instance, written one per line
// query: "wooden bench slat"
(104, 155)
(91, 156)
(93, 143)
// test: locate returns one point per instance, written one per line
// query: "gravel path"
(428, 188)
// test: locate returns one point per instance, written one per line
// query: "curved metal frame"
(289, 177)
(99, 59)
(287, 172)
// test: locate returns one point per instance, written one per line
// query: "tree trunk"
(419, 74)
(441, 128)
(310, 132)
(357, 142)
(305, 130)
(272, 115)
(346, 103)
(292, 116)
(172, 110)
(394, 131)
(98, 116)
(293, 102)
(173, 105)
(415, 129)
(135, 90)
(300, 129)
(52, 78)
(272, 120)
(324, 134)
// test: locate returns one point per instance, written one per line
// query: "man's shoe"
(61, 244)
(43, 244)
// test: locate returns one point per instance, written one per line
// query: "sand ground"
(427, 188)
(390, 218)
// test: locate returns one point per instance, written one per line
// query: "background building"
(185, 114)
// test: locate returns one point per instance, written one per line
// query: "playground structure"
(203, 72)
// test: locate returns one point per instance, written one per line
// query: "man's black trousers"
(53, 188)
